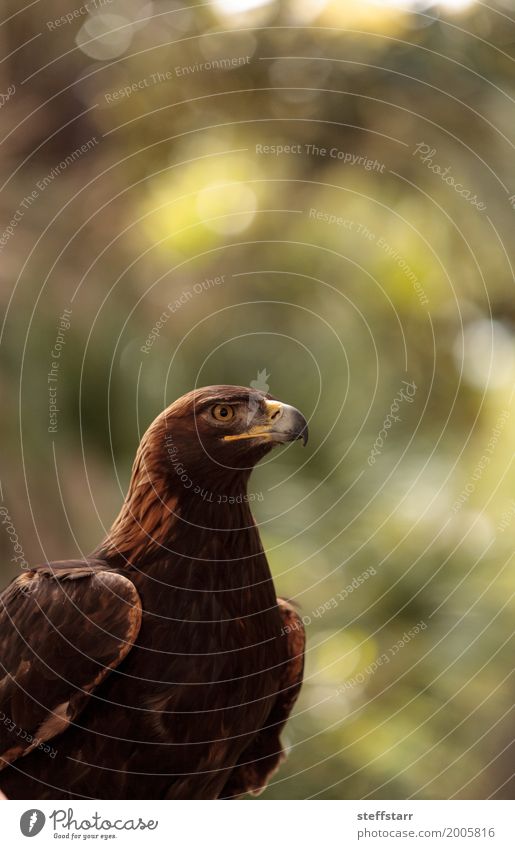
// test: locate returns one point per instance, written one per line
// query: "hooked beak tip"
(293, 424)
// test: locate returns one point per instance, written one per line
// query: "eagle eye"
(223, 412)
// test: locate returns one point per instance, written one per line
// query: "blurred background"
(317, 196)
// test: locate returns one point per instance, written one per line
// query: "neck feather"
(164, 515)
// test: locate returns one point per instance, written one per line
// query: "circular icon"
(31, 822)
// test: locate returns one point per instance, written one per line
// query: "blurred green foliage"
(174, 192)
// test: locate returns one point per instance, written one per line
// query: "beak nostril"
(276, 414)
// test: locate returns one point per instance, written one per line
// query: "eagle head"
(227, 427)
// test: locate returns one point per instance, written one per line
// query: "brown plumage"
(163, 666)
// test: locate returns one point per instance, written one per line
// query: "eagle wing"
(63, 628)
(262, 758)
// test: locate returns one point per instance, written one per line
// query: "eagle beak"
(284, 424)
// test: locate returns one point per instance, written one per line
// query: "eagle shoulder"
(64, 627)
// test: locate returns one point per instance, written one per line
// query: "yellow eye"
(223, 413)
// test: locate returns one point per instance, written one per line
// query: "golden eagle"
(162, 666)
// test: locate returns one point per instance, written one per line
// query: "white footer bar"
(260, 824)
